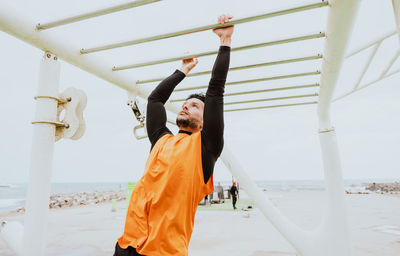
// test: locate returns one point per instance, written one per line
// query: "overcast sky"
(280, 143)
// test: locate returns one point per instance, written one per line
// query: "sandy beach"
(93, 230)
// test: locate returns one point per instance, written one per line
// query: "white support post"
(396, 9)
(335, 240)
(37, 204)
(11, 233)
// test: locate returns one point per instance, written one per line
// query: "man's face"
(191, 115)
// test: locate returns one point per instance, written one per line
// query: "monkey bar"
(272, 89)
(203, 28)
(203, 54)
(272, 63)
(270, 99)
(94, 14)
(272, 106)
(236, 82)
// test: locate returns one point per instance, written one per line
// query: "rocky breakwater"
(391, 188)
(82, 198)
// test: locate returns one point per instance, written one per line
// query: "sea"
(13, 196)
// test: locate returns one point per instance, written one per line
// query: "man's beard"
(186, 122)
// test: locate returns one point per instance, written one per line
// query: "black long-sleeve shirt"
(212, 140)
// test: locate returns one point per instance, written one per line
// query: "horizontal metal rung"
(238, 82)
(272, 63)
(273, 106)
(271, 99)
(204, 28)
(260, 65)
(354, 52)
(94, 14)
(261, 91)
(272, 90)
(253, 80)
(203, 54)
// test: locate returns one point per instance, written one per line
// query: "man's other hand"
(225, 32)
(188, 64)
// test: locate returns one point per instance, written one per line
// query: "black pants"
(234, 200)
(130, 251)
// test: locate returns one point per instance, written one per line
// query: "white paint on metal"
(396, 9)
(329, 239)
(93, 14)
(368, 84)
(367, 64)
(271, 90)
(240, 48)
(373, 42)
(19, 25)
(11, 232)
(73, 114)
(272, 106)
(37, 203)
(242, 81)
(207, 27)
(340, 21)
(390, 64)
(334, 237)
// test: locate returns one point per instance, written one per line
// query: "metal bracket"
(60, 101)
(136, 111)
(73, 102)
(57, 124)
(134, 104)
(332, 129)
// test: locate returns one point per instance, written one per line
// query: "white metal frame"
(329, 239)
(376, 45)
(93, 14)
(240, 48)
(203, 28)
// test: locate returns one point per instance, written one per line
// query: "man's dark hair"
(201, 96)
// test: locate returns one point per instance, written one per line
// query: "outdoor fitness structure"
(331, 238)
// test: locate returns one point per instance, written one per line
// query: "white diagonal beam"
(19, 25)
(94, 14)
(369, 44)
(367, 64)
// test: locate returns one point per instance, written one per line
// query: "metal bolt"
(48, 55)
(55, 58)
(67, 126)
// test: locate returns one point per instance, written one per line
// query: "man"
(234, 192)
(178, 172)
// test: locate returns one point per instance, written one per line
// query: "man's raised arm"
(156, 116)
(213, 124)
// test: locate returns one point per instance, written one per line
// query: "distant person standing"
(234, 192)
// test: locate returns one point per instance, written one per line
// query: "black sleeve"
(156, 116)
(212, 140)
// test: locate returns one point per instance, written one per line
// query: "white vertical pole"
(335, 240)
(11, 233)
(37, 204)
(396, 9)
